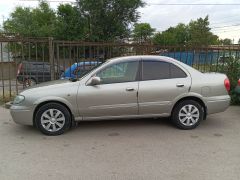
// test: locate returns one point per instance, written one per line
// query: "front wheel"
(187, 114)
(53, 119)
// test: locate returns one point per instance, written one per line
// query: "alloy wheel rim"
(52, 120)
(189, 115)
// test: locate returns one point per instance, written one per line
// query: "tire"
(186, 119)
(53, 119)
(30, 82)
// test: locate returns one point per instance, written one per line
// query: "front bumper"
(22, 115)
(217, 104)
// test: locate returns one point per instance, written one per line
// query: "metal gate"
(28, 61)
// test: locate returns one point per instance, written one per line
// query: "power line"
(228, 29)
(193, 4)
(57, 1)
(220, 27)
(161, 4)
(224, 22)
(223, 31)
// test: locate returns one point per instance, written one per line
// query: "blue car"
(78, 70)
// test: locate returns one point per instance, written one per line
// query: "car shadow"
(122, 124)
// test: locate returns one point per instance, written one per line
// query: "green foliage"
(91, 20)
(225, 41)
(199, 33)
(37, 22)
(108, 19)
(196, 33)
(232, 69)
(172, 36)
(142, 32)
(70, 24)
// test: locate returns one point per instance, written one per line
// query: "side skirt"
(121, 117)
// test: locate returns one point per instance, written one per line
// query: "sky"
(224, 20)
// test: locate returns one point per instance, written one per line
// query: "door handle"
(129, 89)
(179, 85)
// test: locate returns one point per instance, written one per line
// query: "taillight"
(227, 84)
(239, 82)
(19, 69)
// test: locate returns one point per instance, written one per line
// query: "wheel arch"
(50, 101)
(197, 99)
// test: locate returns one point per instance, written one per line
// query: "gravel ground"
(134, 149)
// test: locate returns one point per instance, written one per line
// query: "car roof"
(87, 63)
(144, 57)
(156, 58)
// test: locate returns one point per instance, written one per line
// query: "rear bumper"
(22, 115)
(217, 104)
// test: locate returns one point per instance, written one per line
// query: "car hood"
(50, 88)
(49, 83)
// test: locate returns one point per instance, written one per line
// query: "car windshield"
(78, 71)
(88, 71)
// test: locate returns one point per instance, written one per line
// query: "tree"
(225, 41)
(142, 32)
(196, 33)
(172, 36)
(70, 24)
(109, 19)
(199, 33)
(164, 38)
(36, 22)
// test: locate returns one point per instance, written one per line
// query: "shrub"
(232, 69)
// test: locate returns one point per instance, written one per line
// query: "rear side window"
(176, 72)
(154, 70)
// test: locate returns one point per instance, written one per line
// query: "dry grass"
(6, 97)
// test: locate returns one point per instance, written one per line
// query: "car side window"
(154, 70)
(120, 72)
(176, 72)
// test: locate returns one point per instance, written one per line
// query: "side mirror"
(95, 81)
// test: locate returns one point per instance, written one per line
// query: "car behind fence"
(28, 61)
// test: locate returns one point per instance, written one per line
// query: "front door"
(116, 95)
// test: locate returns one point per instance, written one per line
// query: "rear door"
(161, 83)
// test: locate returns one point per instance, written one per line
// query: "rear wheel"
(187, 114)
(53, 119)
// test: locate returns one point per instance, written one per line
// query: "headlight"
(18, 99)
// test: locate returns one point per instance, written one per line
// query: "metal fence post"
(51, 60)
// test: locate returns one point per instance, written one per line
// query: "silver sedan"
(125, 87)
